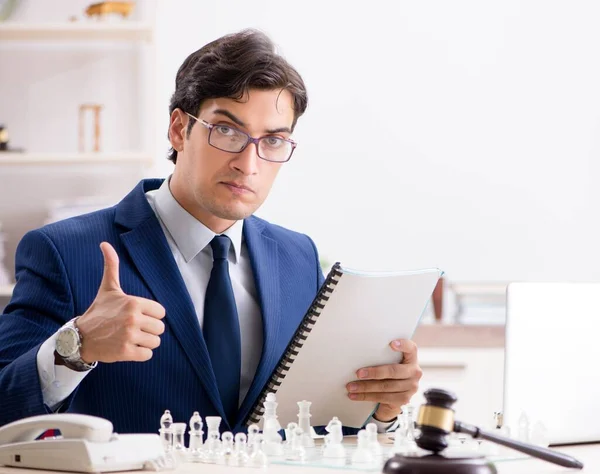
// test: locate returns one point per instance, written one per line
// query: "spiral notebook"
(349, 325)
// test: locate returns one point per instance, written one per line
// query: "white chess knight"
(333, 447)
(272, 438)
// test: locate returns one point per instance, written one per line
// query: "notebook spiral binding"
(293, 348)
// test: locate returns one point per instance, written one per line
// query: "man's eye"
(274, 142)
(224, 130)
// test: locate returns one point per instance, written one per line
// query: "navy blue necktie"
(221, 328)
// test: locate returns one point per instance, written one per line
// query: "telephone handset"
(86, 427)
(87, 444)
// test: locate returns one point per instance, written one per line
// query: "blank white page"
(551, 359)
(354, 330)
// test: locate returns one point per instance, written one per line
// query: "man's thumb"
(110, 278)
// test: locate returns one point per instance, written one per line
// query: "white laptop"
(552, 359)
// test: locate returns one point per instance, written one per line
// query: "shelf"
(6, 291)
(126, 31)
(8, 158)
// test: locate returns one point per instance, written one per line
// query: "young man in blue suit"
(178, 297)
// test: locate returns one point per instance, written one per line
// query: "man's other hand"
(389, 385)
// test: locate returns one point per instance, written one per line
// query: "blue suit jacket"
(58, 271)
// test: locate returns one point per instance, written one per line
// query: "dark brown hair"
(229, 67)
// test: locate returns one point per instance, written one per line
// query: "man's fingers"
(139, 354)
(408, 349)
(152, 326)
(392, 398)
(110, 277)
(382, 386)
(391, 371)
(150, 307)
(143, 339)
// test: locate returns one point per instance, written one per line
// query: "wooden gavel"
(436, 421)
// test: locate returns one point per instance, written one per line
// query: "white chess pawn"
(258, 458)
(523, 428)
(374, 444)
(196, 434)
(253, 430)
(333, 447)
(226, 451)
(166, 433)
(213, 441)
(240, 456)
(362, 456)
(297, 451)
(304, 423)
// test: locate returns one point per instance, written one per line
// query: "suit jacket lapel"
(150, 252)
(263, 252)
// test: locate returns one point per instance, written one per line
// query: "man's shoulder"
(78, 227)
(279, 233)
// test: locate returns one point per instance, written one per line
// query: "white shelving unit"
(6, 291)
(18, 159)
(83, 31)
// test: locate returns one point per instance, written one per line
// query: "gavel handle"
(535, 451)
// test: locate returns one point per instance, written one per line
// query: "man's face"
(219, 187)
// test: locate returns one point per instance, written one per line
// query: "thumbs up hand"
(119, 327)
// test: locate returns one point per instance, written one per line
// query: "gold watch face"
(67, 342)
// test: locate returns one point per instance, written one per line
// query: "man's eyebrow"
(280, 130)
(230, 116)
(235, 119)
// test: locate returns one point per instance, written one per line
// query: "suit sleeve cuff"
(57, 382)
(383, 426)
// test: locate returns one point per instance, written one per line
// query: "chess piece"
(258, 458)
(523, 428)
(374, 444)
(196, 435)
(362, 456)
(271, 427)
(226, 451)
(333, 441)
(403, 444)
(166, 433)
(179, 449)
(253, 430)
(240, 456)
(297, 450)
(304, 424)
(212, 449)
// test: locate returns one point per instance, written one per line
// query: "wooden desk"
(588, 454)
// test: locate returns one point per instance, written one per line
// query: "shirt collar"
(188, 233)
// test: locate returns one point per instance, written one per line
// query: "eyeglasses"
(229, 139)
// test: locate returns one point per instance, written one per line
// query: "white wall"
(461, 134)
(42, 85)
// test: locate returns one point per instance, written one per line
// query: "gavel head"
(435, 420)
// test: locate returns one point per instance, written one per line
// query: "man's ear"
(178, 129)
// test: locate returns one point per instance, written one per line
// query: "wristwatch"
(67, 347)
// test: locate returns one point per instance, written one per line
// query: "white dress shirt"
(189, 241)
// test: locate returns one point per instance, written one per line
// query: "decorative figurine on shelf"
(3, 138)
(96, 108)
(4, 275)
(101, 9)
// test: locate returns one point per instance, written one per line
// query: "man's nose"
(246, 162)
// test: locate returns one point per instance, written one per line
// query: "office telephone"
(86, 444)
